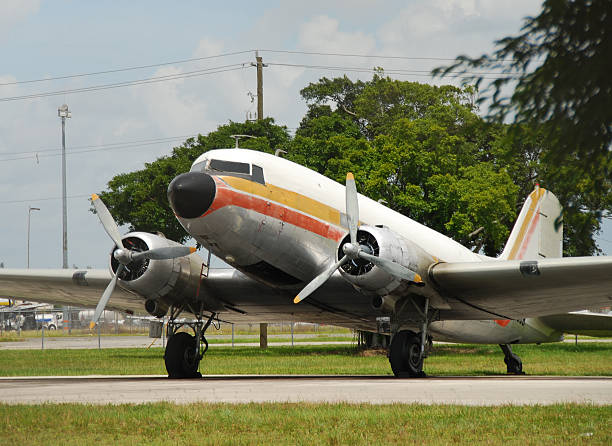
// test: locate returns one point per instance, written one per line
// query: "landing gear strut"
(513, 361)
(408, 349)
(184, 351)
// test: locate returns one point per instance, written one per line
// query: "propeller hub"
(351, 250)
(123, 256)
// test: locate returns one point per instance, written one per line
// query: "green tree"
(560, 67)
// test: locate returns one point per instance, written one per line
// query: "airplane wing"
(66, 287)
(514, 289)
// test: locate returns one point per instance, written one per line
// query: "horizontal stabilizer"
(581, 323)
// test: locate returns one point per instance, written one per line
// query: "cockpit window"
(230, 166)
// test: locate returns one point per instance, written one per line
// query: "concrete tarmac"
(478, 391)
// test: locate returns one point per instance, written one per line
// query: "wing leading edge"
(516, 289)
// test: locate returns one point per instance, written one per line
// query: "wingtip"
(297, 300)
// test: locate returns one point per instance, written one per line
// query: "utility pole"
(263, 328)
(30, 209)
(260, 66)
(64, 113)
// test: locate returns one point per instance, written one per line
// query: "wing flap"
(527, 288)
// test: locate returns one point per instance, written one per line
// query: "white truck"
(51, 321)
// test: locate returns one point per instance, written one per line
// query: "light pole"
(64, 113)
(30, 209)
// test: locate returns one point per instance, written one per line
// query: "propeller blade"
(392, 268)
(105, 297)
(319, 280)
(170, 252)
(107, 220)
(352, 206)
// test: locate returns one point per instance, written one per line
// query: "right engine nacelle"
(384, 243)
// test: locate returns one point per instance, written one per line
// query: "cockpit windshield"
(231, 168)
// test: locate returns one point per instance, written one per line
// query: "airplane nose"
(191, 194)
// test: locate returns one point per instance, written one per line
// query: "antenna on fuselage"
(237, 138)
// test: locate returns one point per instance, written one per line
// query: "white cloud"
(323, 34)
(14, 11)
(446, 28)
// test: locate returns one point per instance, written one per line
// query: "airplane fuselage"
(280, 224)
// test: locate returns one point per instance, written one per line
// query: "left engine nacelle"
(384, 243)
(161, 282)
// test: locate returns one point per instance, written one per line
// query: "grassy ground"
(220, 424)
(590, 359)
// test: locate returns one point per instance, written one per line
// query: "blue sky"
(42, 39)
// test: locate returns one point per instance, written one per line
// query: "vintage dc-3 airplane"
(306, 248)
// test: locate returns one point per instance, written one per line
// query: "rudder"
(538, 231)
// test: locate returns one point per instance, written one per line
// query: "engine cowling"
(384, 243)
(161, 282)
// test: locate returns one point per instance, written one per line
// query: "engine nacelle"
(161, 282)
(384, 243)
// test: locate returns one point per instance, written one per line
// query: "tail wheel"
(181, 357)
(405, 355)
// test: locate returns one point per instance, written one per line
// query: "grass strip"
(303, 424)
(587, 359)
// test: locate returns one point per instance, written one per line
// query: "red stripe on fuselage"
(226, 196)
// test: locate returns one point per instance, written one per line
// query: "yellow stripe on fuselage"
(535, 199)
(287, 198)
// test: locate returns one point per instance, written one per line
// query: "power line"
(396, 71)
(119, 70)
(149, 140)
(233, 67)
(151, 80)
(76, 152)
(43, 199)
(369, 56)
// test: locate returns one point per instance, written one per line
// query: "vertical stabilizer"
(538, 231)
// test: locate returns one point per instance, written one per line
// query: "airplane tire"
(404, 355)
(180, 358)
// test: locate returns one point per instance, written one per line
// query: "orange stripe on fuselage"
(228, 196)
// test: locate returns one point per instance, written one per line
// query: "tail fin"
(538, 231)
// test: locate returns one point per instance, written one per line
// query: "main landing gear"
(405, 355)
(513, 361)
(408, 349)
(184, 351)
